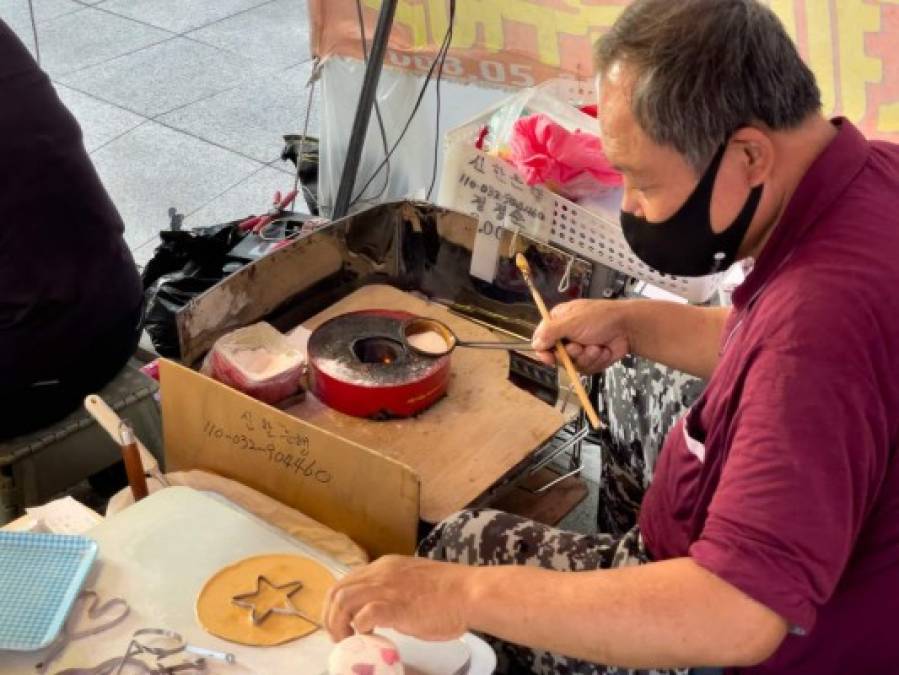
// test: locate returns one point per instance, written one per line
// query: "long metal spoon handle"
(522, 345)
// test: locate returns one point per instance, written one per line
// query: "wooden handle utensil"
(134, 468)
(561, 353)
(122, 434)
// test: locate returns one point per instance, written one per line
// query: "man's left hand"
(417, 597)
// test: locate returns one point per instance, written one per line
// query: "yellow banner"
(851, 45)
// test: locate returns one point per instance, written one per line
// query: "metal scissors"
(279, 205)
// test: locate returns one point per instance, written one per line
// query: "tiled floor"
(182, 102)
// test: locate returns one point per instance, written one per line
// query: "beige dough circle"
(218, 616)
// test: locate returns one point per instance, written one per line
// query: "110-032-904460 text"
(298, 460)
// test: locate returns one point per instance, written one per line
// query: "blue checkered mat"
(40, 577)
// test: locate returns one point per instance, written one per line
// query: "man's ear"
(756, 154)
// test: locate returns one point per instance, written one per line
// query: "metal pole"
(363, 109)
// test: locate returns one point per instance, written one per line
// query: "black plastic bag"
(187, 263)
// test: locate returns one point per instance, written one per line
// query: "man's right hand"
(594, 332)
(597, 333)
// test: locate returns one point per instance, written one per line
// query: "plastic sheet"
(341, 83)
(411, 165)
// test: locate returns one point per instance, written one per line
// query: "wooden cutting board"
(467, 441)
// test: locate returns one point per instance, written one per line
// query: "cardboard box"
(352, 489)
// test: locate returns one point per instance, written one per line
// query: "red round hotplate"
(359, 364)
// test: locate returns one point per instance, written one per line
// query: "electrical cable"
(37, 47)
(452, 21)
(439, 59)
(440, 55)
(301, 153)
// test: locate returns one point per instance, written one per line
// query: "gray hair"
(705, 68)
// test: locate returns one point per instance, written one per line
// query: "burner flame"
(380, 350)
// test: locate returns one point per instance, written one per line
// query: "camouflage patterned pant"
(487, 537)
(641, 400)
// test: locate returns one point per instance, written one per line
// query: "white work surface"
(157, 555)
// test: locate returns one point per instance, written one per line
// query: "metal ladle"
(445, 340)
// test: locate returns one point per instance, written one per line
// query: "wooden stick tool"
(561, 354)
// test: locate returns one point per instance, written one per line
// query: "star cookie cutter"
(289, 589)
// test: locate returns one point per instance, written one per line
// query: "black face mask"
(685, 244)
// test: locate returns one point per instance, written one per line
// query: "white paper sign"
(492, 191)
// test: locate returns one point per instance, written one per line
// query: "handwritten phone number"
(300, 464)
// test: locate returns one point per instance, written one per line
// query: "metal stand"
(566, 444)
(572, 447)
(363, 109)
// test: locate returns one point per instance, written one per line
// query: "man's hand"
(595, 332)
(599, 332)
(418, 597)
(663, 614)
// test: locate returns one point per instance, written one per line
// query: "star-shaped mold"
(251, 601)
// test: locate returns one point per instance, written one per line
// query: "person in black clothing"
(70, 294)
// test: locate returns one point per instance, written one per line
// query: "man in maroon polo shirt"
(769, 539)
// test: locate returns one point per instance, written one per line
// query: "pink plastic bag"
(571, 164)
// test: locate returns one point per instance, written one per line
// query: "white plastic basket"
(489, 189)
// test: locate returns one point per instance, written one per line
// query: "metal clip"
(512, 243)
(565, 282)
(126, 434)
